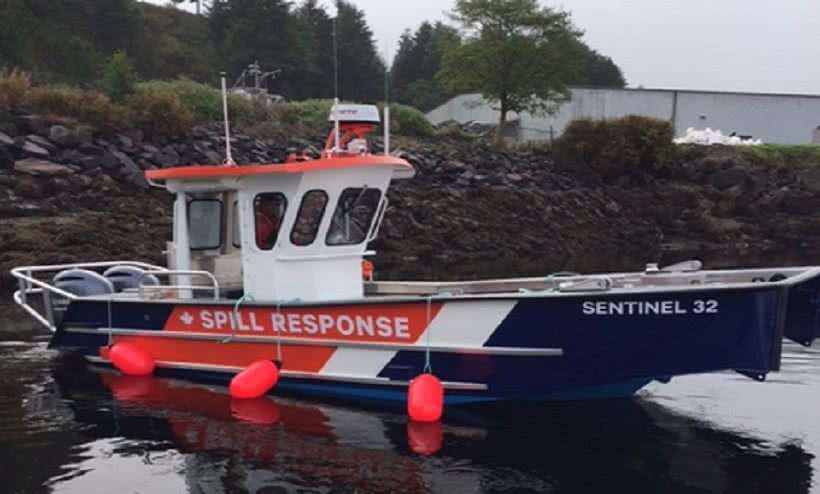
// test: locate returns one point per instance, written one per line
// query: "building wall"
(783, 119)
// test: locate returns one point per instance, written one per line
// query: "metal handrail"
(27, 283)
(178, 272)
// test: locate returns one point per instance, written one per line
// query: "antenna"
(335, 87)
(228, 156)
(386, 100)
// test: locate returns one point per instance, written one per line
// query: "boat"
(268, 262)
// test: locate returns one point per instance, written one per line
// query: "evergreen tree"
(361, 71)
(246, 31)
(119, 78)
(416, 63)
(598, 70)
(314, 76)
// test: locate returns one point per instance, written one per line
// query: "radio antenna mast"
(386, 100)
(228, 156)
(335, 86)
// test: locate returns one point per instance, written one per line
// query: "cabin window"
(309, 217)
(269, 209)
(353, 216)
(205, 224)
(237, 231)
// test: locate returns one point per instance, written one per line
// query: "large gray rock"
(41, 168)
(6, 140)
(42, 142)
(62, 136)
(125, 142)
(89, 162)
(130, 170)
(71, 156)
(91, 150)
(801, 204)
(6, 180)
(109, 162)
(84, 134)
(31, 149)
(28, 187)
(6, 158)
(31, 124)
(727, 178)
(127, 165)
(810, 179)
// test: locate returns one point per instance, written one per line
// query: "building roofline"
(698, 91)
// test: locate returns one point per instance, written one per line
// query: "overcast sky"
(729, 45)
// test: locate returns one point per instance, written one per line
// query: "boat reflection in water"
(283, 445)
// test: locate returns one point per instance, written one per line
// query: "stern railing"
(35, 281)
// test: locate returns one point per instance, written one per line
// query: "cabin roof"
(322, 164)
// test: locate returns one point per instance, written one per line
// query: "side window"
(269, 209)
(353, 216)
(205, 224)
(309, 217)
(236, 234)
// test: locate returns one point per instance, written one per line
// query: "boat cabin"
(296, 230)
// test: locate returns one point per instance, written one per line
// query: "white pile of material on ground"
(708, 137)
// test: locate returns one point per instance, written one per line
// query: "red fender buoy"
(424, 438)
(256, 380)
(260, 411)
(425, 398)
(131, 360)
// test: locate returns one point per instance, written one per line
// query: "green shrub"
(84, 106)
(456, 134)
(204, 103)
(158, 113)
(14, 88)
(119, 78)
(314, 114)
(311, 113)
(408, 121)
(613, 147)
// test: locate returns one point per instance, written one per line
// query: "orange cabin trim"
(324, 164)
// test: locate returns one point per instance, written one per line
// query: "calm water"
(66, 429)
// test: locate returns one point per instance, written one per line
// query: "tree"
(119, 78)
(361, 70)
(598, 70)
(246, 31)
(518, 55)
(417, 60)
(314, 76)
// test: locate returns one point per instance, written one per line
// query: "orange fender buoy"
(131, 360)
(367, 271)
(425, 398)
(260, 411)
(256, 380)
(424, 438)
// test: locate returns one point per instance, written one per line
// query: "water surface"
(67, 429)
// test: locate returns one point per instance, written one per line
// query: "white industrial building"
(773, 118)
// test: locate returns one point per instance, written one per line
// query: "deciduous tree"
(519, 55)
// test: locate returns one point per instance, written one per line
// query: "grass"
(783, 153)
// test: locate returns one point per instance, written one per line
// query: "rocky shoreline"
(70, 194)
